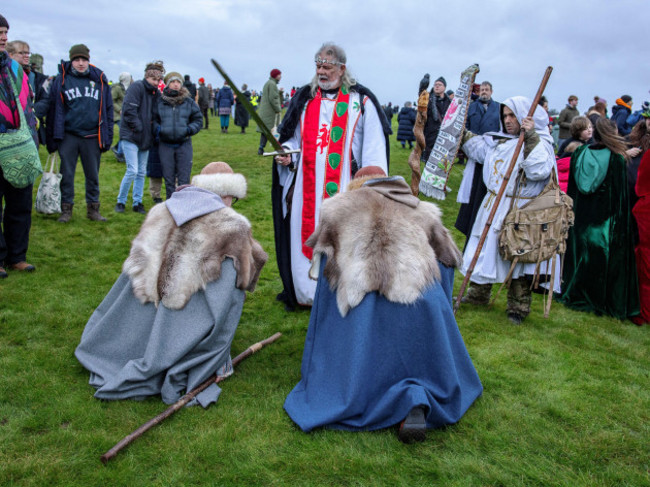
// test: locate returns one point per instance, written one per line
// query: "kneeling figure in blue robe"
(383, 347)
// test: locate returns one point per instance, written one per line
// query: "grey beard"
(327, 85)
(484, 99)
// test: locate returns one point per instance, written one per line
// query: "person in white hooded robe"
(537, 160)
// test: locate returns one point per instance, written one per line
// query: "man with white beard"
(339, 127)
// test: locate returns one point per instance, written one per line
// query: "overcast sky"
(597, 47)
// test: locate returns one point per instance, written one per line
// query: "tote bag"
(48, 196)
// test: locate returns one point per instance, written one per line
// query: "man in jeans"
(136, 134)
(79, 94)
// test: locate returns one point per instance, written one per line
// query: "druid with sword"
(336, 126)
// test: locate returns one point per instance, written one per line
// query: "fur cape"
(374, 242)
(169, 264)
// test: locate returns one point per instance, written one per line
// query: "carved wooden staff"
(420, 143)
(502, 190)
(127, 440)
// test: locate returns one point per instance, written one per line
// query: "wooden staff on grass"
(502, 190)
(127, 440)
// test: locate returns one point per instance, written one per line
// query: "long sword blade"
(250, 109)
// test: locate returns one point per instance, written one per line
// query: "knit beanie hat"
(626, 98)
(646, 106)
(3, 22)
(219, 178)
(79, 50)
(202, 80)
(173, 75)
(442, 80)
(275, 73)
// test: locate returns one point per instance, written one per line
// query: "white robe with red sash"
(364, 141)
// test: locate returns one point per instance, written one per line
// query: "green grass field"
(566, 399)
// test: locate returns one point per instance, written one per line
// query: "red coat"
(563, 166)
(641, 212)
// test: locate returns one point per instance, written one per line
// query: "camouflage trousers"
(519, 296)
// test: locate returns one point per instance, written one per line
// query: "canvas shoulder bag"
(537, 231)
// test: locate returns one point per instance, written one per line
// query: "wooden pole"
(420, 143)
(502, 190)
(127, 440)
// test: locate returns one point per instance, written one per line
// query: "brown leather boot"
(92, 212)
(66, 212)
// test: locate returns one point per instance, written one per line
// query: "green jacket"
(117, 92)
(270, 107)
(564, 121)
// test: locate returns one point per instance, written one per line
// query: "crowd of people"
(352, 243)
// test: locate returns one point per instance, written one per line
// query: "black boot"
(66, 212)
(92, 212)
(414, 427)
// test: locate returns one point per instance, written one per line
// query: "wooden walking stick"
(418, 131)
(127, 440)
(502, 190)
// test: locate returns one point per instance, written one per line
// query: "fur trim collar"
(222, 184)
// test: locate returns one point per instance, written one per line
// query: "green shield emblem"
(341, 108)
(336, 134)
(334, 160)
(331, 188)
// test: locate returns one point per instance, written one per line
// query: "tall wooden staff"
(420, 143)
(127, 440)
(502, 190)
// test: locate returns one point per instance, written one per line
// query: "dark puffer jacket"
(137, 114)
(176, 116)
(406, 119)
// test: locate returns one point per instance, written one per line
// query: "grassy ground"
(566, 399)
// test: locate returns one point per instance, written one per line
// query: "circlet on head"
(320, 60)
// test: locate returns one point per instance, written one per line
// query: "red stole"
(316, 138)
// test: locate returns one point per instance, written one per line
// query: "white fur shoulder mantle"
(169, 264)
(374, 243)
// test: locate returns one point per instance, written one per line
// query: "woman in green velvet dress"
(599, 269)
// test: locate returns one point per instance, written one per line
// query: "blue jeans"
(136, 168)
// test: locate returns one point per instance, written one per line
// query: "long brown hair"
(606, 133)
(640, 137)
